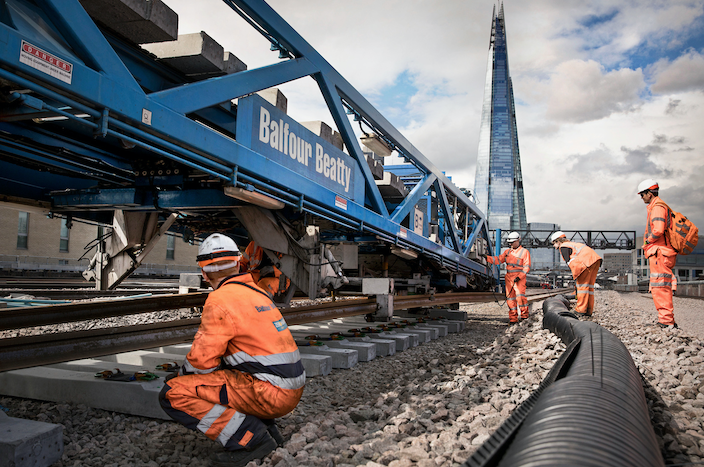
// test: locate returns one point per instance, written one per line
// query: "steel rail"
(29, 351)
(26, 317)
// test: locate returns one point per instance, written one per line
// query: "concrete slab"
(192, 54)
(95, 365)
(391, 187)
(442, 329)
(366, 351)
(176, 349)
(384, 347)
(233, 64)
(434, 331)
(316, 365)
(341, 358)
(139, 21)
(25, 443)
(403, 341)
(81, 387)
(275, 98)
(454, 315)
(319, 128)
(453, 326)
(149, 360)
(424, 335)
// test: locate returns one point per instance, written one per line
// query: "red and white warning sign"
(45, 62)
(340, 202)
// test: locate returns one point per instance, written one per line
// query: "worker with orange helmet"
(584, 264)
(244, 368)
(517, 261)
(661, 256)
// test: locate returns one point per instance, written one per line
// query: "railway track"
(36, 350)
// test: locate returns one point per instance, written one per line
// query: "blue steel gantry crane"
(93, 126)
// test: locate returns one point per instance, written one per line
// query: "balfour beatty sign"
(288, 143)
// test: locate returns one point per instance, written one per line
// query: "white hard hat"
(557, 235)
(513, 236)
(218, 248)
(648, 184)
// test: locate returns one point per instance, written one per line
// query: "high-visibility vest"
(581, 257)
(517, 261)
(658, 222)
(242, 329)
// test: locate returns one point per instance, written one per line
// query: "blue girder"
(119, 98)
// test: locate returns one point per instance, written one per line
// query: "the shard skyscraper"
(498, 185)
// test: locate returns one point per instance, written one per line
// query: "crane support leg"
(308, 263)
(133, 236)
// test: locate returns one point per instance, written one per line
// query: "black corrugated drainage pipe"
(590, 410)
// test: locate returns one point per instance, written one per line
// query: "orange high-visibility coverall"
(517, 266)
(661, 257)
(244, 368)
(584, 264)
(273, 281)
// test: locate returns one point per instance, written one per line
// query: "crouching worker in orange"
(584, 264)
(264, 273)
(517, 261)
(243, 370)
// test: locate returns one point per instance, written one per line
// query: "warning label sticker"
(340, 202)
(45, 62)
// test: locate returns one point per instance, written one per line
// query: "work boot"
(669, 326)
(242, 457)
(275, 433)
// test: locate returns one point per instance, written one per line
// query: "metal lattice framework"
(109, 107)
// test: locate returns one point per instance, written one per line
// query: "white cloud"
(686, 73)
(580, 91)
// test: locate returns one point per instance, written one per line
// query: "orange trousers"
(585, 289)
(228, 406)
(516, 296)
(661, 286)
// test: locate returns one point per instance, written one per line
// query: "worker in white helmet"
(517, 261)
(244, 368)
(661, 256)
(584, 264)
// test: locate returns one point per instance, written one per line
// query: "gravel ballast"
(431, 405)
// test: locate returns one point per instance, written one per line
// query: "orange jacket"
(581, 257)
(658, 221)
(517, 261)
(242, 329)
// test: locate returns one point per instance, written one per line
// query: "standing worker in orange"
(517, 261)
(584, 264)
(243, 369)
(660, 254)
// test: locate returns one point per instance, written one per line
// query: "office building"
(498, 186)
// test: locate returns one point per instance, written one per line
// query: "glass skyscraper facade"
(498, 185)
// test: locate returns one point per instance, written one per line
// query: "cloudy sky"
(608, 93)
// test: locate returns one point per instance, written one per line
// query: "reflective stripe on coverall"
(517, 266)
(584, 264)
(662, 258)
(246, 368)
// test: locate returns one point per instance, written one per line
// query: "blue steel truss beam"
(171, 134)
(418, 191)
(449, 218)
(190, 97)
(84, 36)
(276, 27)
